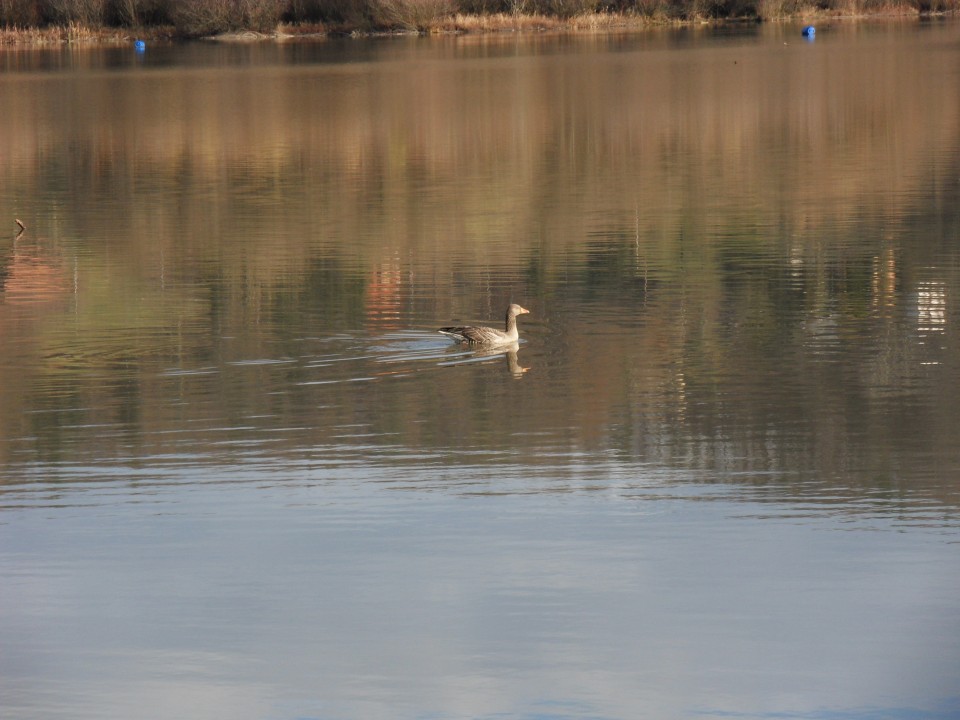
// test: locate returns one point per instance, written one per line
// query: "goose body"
(480, 335)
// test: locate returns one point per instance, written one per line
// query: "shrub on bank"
(209, 17)
(354, 13)
(84, 12)
(417, 15)
(19, 13)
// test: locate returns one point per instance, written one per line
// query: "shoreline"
(460, 24)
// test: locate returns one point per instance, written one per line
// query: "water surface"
(242, 476)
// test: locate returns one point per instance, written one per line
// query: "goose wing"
(474, 334)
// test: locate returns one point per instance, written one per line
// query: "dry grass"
(76, 33)
(610, 21)
(70, 33)
(877, 8)
(503, 22)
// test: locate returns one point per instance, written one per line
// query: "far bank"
(28, 22)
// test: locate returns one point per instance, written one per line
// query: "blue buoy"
(139, 45)
(809, 31)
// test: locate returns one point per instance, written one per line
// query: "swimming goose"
(487, 335)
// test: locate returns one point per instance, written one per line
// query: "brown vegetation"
(67, 20)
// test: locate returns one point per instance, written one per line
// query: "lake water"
(243, 477)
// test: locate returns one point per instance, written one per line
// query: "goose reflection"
(510, 354)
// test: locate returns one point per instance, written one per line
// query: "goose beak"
(523, 311)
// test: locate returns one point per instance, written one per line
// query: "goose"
(479, 335)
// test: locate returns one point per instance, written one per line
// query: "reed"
(503, 22)
(70, 33)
